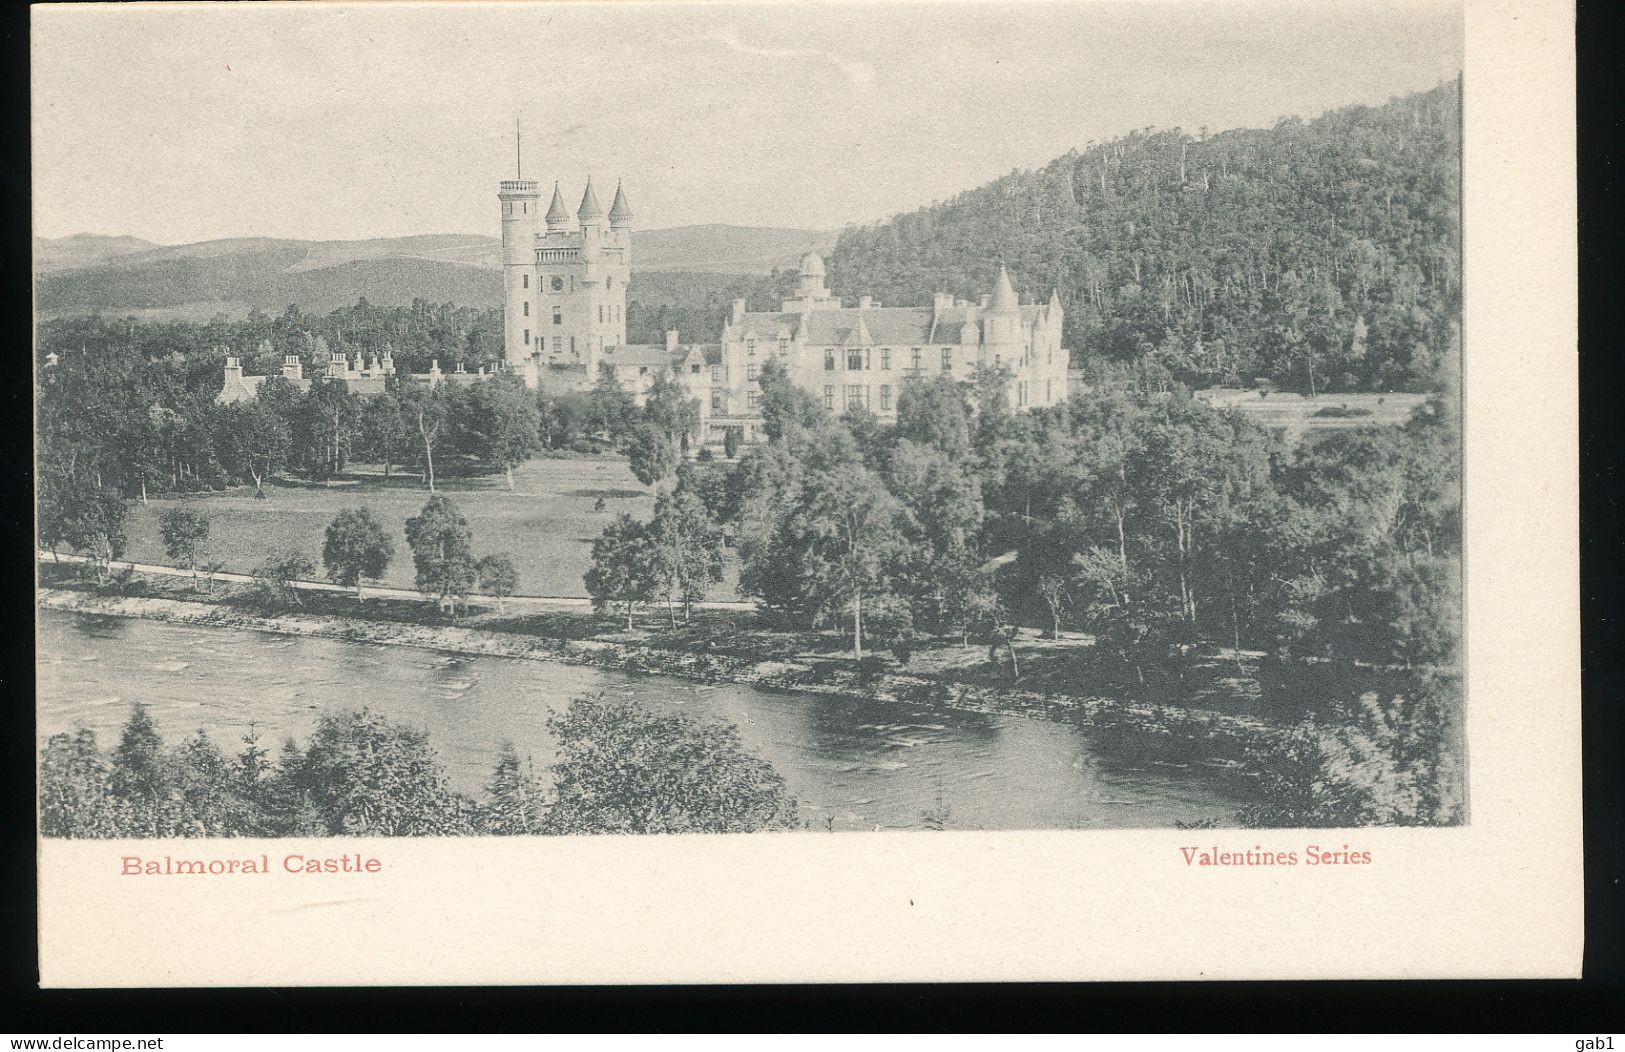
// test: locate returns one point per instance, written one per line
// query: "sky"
(193, 122)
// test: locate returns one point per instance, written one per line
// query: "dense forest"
(1321, 255)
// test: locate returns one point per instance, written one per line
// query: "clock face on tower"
(558, 284)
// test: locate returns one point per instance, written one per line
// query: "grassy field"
(547, 524)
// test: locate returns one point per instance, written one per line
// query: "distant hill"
(720, 249)
(78, 250)
(122, 275)
(1319, 253)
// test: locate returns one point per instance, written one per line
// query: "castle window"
(716, 374)
(868, 358)
(541, 343)
(558, 284)
(527, 308)
(854, 360)
(527, 280)
(750, 346)
(695, 369)
(885, 358)
(1049, 390)
(600, 315)
(947, 358)
(716, 398)
(753, 399)
(854, 396)
(885, 398)
(916, 359)
(829, 396)
(784, 345)
(829, 358)
(558, 316)
(572, 345)
(750, 371)
(527, 337)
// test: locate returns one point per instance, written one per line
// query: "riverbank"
(1196, 734)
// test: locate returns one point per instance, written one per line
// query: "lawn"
(547, 524)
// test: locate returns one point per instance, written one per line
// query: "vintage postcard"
(736, 492)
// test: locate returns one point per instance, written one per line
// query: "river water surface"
(852, 764)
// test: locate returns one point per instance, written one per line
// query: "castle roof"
(884, 326)
(619, 211)
(1004, 294)
(589, 204)
(649, 354)
(556, 212)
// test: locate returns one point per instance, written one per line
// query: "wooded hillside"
(1318, 254)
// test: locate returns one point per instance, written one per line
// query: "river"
(852, 764)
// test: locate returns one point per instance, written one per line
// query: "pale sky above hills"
(189, 123)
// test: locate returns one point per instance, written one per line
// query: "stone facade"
(860, 356)
(564, 280)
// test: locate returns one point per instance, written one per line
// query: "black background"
(1582, 1007)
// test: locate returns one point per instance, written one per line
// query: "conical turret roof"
(556, 212)
(619, 211)
(589, 204)
(1004, 294)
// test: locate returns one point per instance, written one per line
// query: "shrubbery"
(621, 769)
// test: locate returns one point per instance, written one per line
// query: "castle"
(565, 317)
(564, 326)
(360, 377)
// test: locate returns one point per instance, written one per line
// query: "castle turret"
(1003, 324)
(293, 368)
(521, 222)
(811, 293)
(620, 213)
(558, 216)
(590, 217)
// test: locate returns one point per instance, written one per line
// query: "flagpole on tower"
(518, 158)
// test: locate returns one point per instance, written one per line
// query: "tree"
(786, 407)
(356, 547)
(255, 441)
(687, 548)
(497, 576)
(611, 409)
(325, 422)
(652, 455)
(625, 769)
(186, 536)
(142, 780)
(75, 789)
(625, 567)
(276, 580)
(365, 775)
(852, 530)
(515, 805)
(442, 553)
(427, 414)
(1052, 590)
(85, 517)
(934, 413)
(670, 410)
(503, 424)
(385, 433)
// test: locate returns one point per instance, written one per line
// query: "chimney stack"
(671, 340)
(738, 312)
